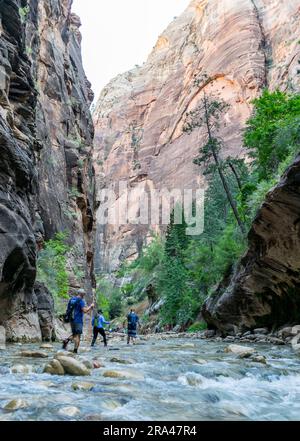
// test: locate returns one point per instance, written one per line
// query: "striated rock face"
(265, 289)
(46, 137)
(242, 45)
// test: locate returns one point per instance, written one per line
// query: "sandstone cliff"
(242, 45)
(46, 172)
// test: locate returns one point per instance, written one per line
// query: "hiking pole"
(91, 314)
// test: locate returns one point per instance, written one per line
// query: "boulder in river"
(126, 375)
(120, 360)
(54, 368)
(69, 411)
(83, 386)
(241, 351)
(16, 404)
(73, 367)
(259, 359)
(34, 354)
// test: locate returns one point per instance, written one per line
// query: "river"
(175, 379)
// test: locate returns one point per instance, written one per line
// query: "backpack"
(132, 319)
(70, 313)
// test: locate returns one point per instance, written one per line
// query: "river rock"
(2, 338)
(22, 369)
(263, 331)
(276, 341)
(87, 363)
(120, 360)
(191, 379)
(241, 351)
(295, 330)
(65, 354)
(34, 354)
(73, 367)
(126, 375)
(285, 332)
(16, 404)
(46, 346)
(54, 368)
(69, 411)
(259, 359)
(200, 361)
(83, 386)
(97, 364)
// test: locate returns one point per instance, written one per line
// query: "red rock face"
(242, 46)
(46, 171)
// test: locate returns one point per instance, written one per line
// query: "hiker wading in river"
(98, 327)
(132, 322)
(74, 315)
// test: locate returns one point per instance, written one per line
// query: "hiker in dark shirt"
(132, 322)
(98, 323)
(75, 312)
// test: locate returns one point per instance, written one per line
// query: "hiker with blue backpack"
(98, 323)
(74, 315)
(132, 322)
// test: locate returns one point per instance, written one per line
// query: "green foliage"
(51, 266)
(24, 12)
(197, 327)
(272, 131)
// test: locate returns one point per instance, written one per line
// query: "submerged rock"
(69, 411)
(130, 375)
(259, 359)
(34, 354)
(16, 404)
(200, 361)
(83, 386)
(241, 351)
(120, 360)
(46, 346)
(22, 369)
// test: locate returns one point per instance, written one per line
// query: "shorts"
(76, 328)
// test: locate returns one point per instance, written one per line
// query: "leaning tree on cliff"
(207, 115)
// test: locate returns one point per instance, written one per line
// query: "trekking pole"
(91, 314)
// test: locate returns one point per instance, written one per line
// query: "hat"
(81, 292)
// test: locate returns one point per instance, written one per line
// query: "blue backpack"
(70, 313)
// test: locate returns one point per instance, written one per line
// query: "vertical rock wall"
(46, 171)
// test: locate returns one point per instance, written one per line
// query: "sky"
(118, 34)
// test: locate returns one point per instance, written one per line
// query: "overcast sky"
(117, 34)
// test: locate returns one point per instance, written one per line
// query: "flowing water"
(166, 381)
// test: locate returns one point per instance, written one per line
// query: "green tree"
(272, 131)
(207, 115)
(52, 266)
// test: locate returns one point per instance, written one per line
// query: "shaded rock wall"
(242, 45)
(46, 177)
(265, 290)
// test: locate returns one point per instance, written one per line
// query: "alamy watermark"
(144, 206)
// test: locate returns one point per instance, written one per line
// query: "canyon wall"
(264, 291)
(46, 171)
(242, 46)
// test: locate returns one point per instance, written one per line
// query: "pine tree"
(207, 115)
